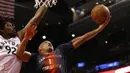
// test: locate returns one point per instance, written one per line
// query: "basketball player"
(9, 41)
(49, 60)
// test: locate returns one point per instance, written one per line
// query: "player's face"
(9, 28)
(46, 46)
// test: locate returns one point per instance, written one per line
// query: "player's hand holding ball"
(101, 15)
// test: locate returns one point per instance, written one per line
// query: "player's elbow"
(78, 41)
(21, 57)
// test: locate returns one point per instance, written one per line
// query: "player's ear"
(39, 49)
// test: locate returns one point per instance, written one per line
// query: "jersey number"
(11, 50)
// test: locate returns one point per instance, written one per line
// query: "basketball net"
(47, 3)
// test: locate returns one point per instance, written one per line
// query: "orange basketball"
(99, 13)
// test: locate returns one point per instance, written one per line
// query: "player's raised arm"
(102, 17)
(34, 20)
(87, 36)
(21, 53)
(43, 4)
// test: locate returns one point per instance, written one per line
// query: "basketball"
(99, 14)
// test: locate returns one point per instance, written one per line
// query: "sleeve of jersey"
(33, 57)
(65, 48)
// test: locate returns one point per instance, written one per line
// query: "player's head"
(45, 47)
(8, 28)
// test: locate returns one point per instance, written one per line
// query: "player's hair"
(3, 21)
(40, 46)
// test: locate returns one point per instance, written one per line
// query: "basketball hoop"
(47, 3)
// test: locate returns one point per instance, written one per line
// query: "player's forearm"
(81, 39)
(21, 48)
(39, 14)
(34, 21)
(92, 34)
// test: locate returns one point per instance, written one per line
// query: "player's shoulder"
(65, 45)
(15, 38)
(34, 55)
(1, 36)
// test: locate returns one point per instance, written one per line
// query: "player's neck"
(6, 36)
(45, 53)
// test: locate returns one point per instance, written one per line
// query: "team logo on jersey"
(9, 46)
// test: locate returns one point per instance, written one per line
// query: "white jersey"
(9, 63)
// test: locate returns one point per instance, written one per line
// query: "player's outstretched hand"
(106, 22)
(30, 32)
